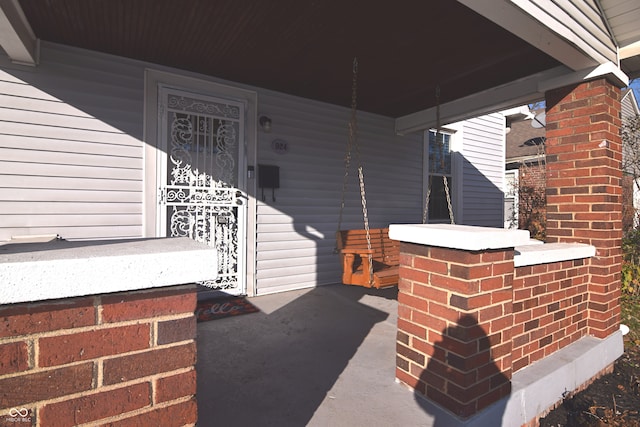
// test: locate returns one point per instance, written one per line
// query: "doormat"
(224, 307)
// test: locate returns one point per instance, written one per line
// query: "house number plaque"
(280, 146)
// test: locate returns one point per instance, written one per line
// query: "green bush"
(631, 279)
(631, 263)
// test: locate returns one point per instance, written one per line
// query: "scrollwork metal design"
(201, 199)
(187, 104)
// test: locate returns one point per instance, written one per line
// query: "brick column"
(454, 322)
(584, 154)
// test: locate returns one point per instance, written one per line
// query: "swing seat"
(384, 252)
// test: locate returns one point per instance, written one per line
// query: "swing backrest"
(386, 252)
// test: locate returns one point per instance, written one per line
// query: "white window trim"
(455, 144)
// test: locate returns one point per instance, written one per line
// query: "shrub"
(631, 263)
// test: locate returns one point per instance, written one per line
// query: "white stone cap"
(32, 272)
(465, 237)
(551, 252)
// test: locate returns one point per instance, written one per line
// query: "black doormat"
(220, 308)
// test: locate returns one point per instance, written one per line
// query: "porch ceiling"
(305, 47)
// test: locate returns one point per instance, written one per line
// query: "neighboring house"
(525, 168)
(630, 187)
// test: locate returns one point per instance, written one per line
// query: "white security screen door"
(201, 197)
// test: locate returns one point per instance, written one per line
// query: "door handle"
(241, 195)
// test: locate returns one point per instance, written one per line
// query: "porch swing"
(369, 257)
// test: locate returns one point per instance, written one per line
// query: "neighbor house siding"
(70, 147)
(483, 170)
(296, 230)
(629, 106)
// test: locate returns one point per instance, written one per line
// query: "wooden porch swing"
(369, 257)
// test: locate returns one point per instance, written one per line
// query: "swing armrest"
(349, 258)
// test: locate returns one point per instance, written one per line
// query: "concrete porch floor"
(317, 357)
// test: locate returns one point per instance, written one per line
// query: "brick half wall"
(549, 308)
(117, 359)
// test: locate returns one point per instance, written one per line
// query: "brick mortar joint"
(153, 335)
(144, 350)
(94, 327)
(37, 404)
(412, 293)
(162, 318)
(29, 341)
(409, 362)
(44, 369)
(150, 379)
(98, 307)
(72, 331)
(137, 412)
(100, 360)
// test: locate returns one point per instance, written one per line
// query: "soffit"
(623, 18)
(405, 49)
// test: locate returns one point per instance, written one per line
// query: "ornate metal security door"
(200, 194)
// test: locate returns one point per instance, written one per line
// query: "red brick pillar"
(455, 319)
(584, 188)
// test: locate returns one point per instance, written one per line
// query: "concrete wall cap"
(32, 272)
(465, 237)
(551, 252)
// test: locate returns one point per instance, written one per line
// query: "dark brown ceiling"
(405, 48)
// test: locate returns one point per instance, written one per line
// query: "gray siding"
(296, 232)
(71, 155)
(483, 170)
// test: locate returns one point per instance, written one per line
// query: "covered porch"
(97, 84)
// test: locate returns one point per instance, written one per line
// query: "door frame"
(154, 78)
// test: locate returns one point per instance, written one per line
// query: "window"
(439, 166)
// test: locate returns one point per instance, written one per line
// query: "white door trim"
(154, 78)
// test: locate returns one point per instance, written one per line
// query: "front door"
(201, 190)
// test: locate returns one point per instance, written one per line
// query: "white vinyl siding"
(629, 105)
(629, 109)
(70, 147)
(296, 232)
(72, 163)
(483, 170)
(578, 21)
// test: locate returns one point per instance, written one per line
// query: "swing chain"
(446, 190)
(366, 221)
(445, 181)
(347, 165)
(426, 202)
(351, 138)
(352, 143)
